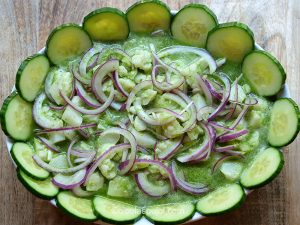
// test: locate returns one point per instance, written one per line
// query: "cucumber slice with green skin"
(31, 75)
(284, 123)
(192, 24)
(230, 40)
(76, 207)
(66, 42)
(116, 212)
(44, 189)
(173, 213)
(106, 24)
(222, 200)
(16, 118)
(148, 16)
(264, 168)
(22, 155)
(264, 73)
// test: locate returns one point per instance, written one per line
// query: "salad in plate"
(149, 114)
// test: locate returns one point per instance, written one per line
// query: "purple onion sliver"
(232, 136)
(47, 144)
(45, 131)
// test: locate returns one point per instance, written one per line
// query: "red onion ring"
(52, 169)
(116, 81)
(47, 144)
(232, 136)
(195, 189)
(45, 131)
(70, 181)
(135, 90)
(96, 111)
(188, 49)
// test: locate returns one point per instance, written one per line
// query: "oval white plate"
(143, 221)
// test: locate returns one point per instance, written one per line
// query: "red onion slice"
(164, 86)
(78, 77)
(69, 152)
(149, 188)
(171, 150)
(48, 144)
(169, 111)
(99, 75)
(135, 90)
(205, 89)
(96, 111)
(107, 154)
(217, 125)
(70, 181)
(147, 118)
(52, 169)
(42, 121)
(225, 98)
(232, 136)
(79, 192)
(220, 161)
(240, 117)
(225, 148)
(200, 151)
(212, 90)
(141, 163)
(118, 85)
(187, 49)
(192, 110)
(82, 153)
(85, 60)
(158, 61)
(81, 92)
(46, 131)
(195, 189)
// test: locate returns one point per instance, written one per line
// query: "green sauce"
(201, 172)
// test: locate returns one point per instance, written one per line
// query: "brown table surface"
(24, 28)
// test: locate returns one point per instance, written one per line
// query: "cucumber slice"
(66, 42)
(16, 118)
(31, 75)
(173, 213)
(264, 168)
(22, 155)
(44, 189)
(192, 24)
(230, 40)
(264, 73)
(284, 123)
(79, 208)
(106, 24)
(148, 16)
(116, 212)
(222, 200)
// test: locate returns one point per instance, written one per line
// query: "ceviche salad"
(148, 114)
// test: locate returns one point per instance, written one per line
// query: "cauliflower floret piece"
(147, 96)
(254, 139)
(262, 104)
(199, 101)
(59, 79)
(195, 132)
(172, 129)
(124, 73)
(142, 59)
(139, 124)
(71, 116)
(255, 119)
(108, 169)
(241, 94)
(95, 182)
(121, 187)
